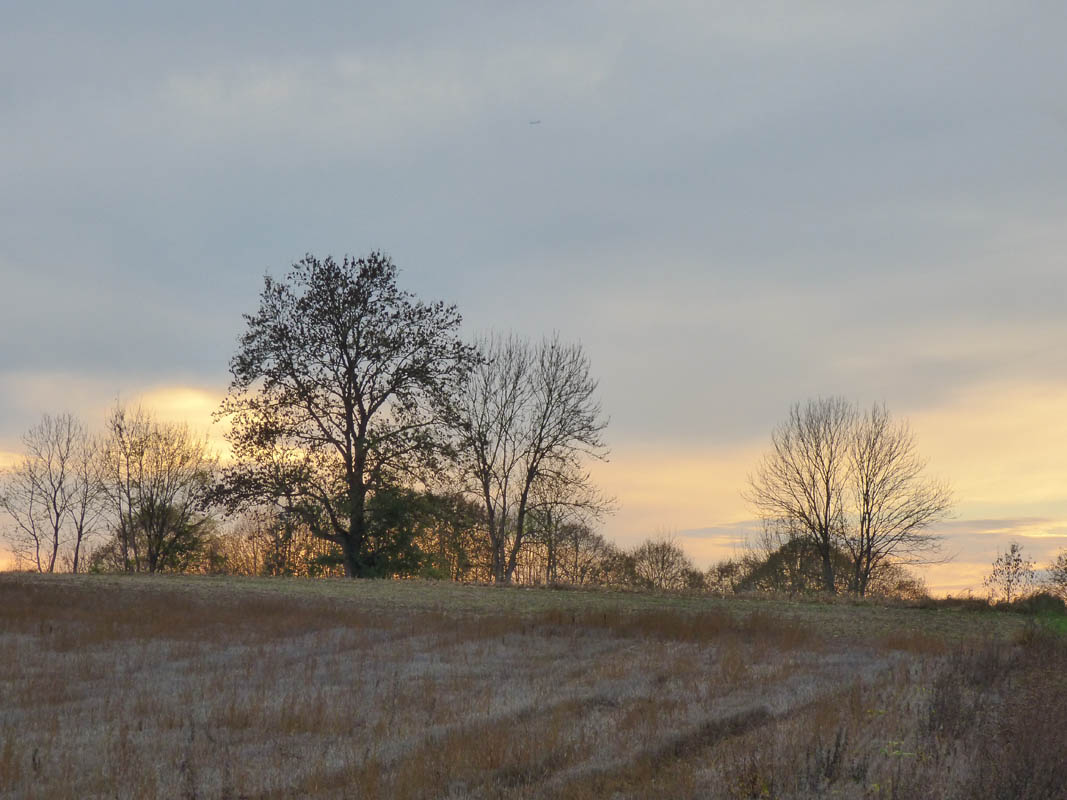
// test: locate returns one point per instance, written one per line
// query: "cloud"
(996, 442)
(734, 207)
(28, 395)
(663, 488)
(1029, 527)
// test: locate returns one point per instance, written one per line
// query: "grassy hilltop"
(204, 687)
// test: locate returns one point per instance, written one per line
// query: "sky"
(733, 206)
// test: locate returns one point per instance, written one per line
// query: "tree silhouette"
(1012, 576)
(339, 385)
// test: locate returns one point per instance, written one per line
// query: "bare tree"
(87, 510)
(266, 541)
(893, 505)
(526, 419)
(36, 493)
(157, 478)
(804, 479)
(662, 564)
(583, 555)
(562, 510)
(1012, 576)
(849, 483)
(53, 495)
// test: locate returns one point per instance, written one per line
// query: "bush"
(1040, 603)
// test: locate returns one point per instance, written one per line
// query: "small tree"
(662, 564)
(1057, 575)
(53, 494)
(1012, 576)
(157, 478)
(584, 555)
(561, 513)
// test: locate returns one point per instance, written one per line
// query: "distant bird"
(535, 122)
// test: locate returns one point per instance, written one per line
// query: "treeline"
(359, 421)
(143, 496)
(146, 496)
(370, 440)
(134, 497)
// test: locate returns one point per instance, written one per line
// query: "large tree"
(849, 482)
(893, 504)
(527, 418)
(802, 482)
(339, 385)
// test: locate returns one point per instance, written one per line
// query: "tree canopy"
(340, 383)
(851, 482)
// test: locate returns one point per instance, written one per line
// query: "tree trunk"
(828, 573)
(499, 560)
(352, 542)
(350, 558)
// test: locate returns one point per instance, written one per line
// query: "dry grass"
(127, 687)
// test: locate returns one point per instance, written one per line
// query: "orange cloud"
(92, 400)
(1003, 446)
(660, 489)
(190, 405)
(182, 404)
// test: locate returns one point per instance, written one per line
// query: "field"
(204, 687)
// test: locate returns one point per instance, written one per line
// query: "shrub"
(1040, 603)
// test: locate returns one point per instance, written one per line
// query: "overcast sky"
(733, 206)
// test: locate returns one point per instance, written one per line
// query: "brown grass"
(115, 687)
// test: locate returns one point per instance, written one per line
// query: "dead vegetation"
(137, 688)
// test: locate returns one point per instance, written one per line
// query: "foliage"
(340, 383)
(265, 541)
(794, 566)
(156, 477)
(177, 544)
(1040, 603)
(1057, 575)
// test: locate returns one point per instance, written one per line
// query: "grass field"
(205, 687)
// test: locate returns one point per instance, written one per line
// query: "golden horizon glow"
(994, 443)
(192, 406)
